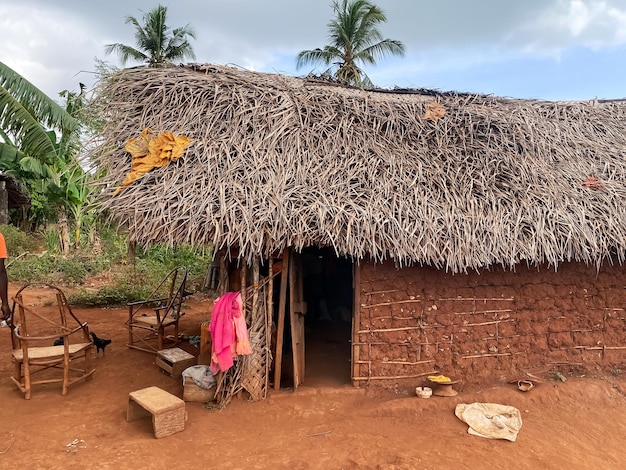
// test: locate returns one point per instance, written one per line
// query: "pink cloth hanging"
(229, 332)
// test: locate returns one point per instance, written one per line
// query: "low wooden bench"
(167, 411)
(174, 361)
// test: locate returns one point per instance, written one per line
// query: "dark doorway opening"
(328, 293)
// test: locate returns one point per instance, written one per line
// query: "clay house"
(13, 195)
(422, 232)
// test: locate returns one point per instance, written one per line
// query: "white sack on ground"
(201, 375)
(490, 420)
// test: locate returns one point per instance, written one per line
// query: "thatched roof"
(278, 161)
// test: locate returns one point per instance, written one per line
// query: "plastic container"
(423, 392)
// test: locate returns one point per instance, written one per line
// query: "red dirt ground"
(577, 424)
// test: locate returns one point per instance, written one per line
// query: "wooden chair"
(34, 333)
(148, 319)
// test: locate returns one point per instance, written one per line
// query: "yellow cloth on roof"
(150, 151)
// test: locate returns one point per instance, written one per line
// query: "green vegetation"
(100, 277)
(355, 39)
(26, 117)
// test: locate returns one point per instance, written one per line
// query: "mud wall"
(496, 324)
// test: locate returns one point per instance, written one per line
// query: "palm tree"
(355, 39)
(155, 45)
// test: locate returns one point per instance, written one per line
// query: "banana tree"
(29, 148)
(26, 117)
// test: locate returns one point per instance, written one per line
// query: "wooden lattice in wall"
(250, 372)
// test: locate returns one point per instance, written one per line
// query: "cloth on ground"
(229, 333)
(194, 341)
(490, 420)
(201, 375)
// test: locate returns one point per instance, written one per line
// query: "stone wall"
(496, 324)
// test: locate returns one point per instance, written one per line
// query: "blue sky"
(542, 49)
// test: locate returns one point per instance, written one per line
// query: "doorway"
(327, 289)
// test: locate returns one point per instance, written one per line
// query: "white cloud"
(567, 24)
(50, 41)
(47, 48)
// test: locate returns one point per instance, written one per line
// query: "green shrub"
(116, 294)
(17, 241)
(132, 279)
(31, 268)
(130, 284)
(73, 270)
(51, 240)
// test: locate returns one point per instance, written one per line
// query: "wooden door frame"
(297, 311)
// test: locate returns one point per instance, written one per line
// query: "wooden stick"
(356, 318)
(401, 343)
(489, 322)
(397, 377)
(480, 299)
(478, 312)
(280, 324)
(382, 292)
(268, 326)
(380, 330)
(486, 355)
(398, 302)
(406, 363)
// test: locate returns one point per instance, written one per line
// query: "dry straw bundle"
(458, 181)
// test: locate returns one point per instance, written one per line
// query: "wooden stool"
(167, 410)
(174, 361)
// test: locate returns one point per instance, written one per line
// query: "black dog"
(100, 343)
(59, 341)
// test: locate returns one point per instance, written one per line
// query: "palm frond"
(9, 155)
(28, 133)
(314, 56)
(383, 48)
(125, 52)
(40, 106)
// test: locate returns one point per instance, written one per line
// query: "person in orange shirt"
(4, 281)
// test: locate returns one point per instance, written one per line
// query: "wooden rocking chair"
(43, 340)
(148, 319)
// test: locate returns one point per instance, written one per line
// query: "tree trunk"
(64, 231)
(130, 254)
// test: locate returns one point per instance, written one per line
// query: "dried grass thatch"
(279, 161)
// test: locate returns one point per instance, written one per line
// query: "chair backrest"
(177, 292)
(175, 283)
(38, 317)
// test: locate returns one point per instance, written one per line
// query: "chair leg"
(131, 338)
(160, 334)
(18, 375)
(26, 381)
(17, 371)
(88, 364)
(66, 375)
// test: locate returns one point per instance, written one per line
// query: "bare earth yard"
(577, 424)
